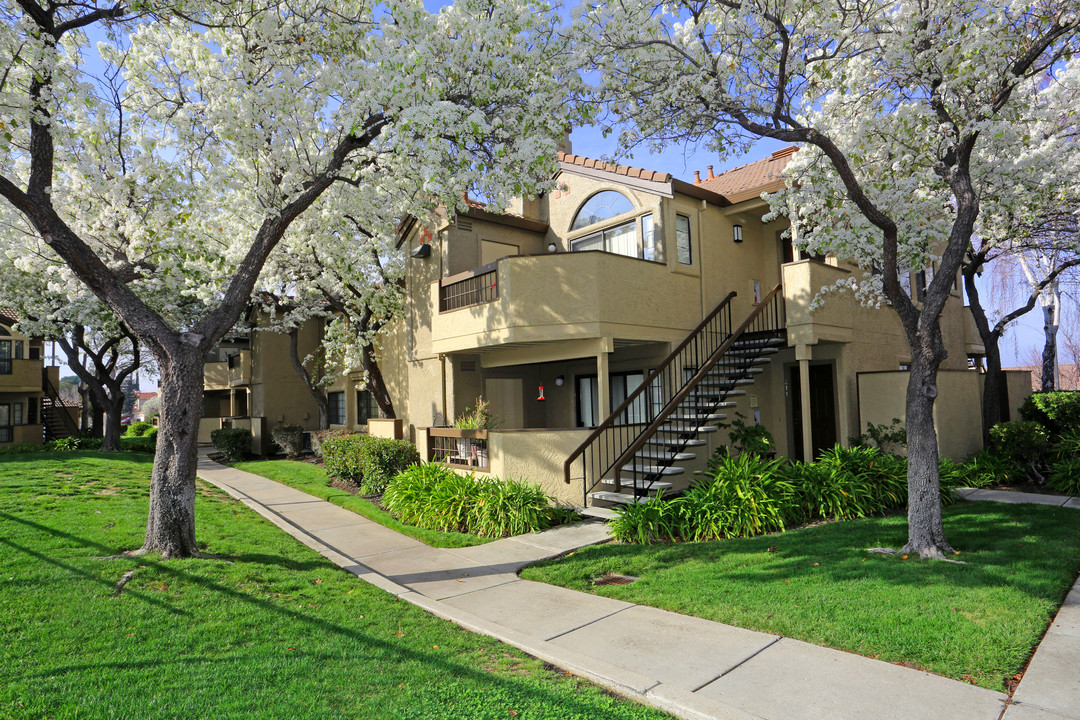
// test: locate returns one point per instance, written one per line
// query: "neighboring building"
(1068, 376)
(558, 312)
(31, 410)
(138, 410)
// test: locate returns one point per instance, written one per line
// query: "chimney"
(711, 176)
(564, 145)
(697, 177)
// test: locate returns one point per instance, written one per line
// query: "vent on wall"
(467, 366)
(465, 225)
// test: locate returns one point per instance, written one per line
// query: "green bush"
(63, 444)
(22, 449)
(653, 520)
(146, 444)
(318, 438)
(1024, 441)
(749, 439)
(234, 443)
(737, 498)
(1067, 444)
(891, 438)
(290, 438)
(369, 462)
(432, 496)
(139, 429)
(850, 482)
(988, 468)
(1056, 411)
(1065, 477)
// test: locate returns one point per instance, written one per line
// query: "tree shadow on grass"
(444, 666)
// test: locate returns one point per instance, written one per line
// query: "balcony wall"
(25, 376)
(216, 376)
(832, 320)
(567, 296)
(240, 372)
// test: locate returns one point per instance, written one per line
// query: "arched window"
(602, 206)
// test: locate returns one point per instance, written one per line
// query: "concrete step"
(652, 470)
(697, 417)
(662, 455)
(668, 443)
(721, 372)
(681, 430)
(638, 483)
(595, 511)
(752, 350)
(619, 498)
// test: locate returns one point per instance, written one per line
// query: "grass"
(313, 480)
(269, 630)
(977, 622)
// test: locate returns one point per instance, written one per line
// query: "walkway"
(690, 667)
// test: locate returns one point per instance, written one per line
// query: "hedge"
(370, 462)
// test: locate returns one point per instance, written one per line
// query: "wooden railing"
(610, 447)
(459, 448)
(473, 287)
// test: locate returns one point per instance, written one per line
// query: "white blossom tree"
(166, 161)
(892, 103)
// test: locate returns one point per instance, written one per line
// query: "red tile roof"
(145, 395)
(626, 170)
(750, 180)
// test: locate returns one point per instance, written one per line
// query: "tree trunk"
(84, 416)
(993, 409)
(1051, 322)
(376, 384)
(926, 532)
(97, 414)
(170, 528)
(321, 402)
(114, 408)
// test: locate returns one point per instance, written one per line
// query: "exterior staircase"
(56, 422)
(686, 397)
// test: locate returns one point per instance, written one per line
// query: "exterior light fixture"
(422, 251)
(736, 231)
(541, 394)
(559, 381)
(552, 247)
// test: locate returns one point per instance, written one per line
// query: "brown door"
(822, 409)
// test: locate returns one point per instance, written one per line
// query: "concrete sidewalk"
(690, 667)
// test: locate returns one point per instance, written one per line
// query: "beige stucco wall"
(278, 393)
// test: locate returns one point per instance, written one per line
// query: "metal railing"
(55, 419)
(704, 354)
(459, 448)
(474, 287)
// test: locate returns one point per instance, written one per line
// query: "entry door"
(822, 409)
(506, 396)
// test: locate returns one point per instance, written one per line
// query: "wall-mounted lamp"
(552, 247)
(736, 231)
(422, 251)
(559, 381)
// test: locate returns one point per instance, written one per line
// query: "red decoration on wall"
(541, 394)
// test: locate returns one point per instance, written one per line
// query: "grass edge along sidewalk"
(977, 622)
(241, 635)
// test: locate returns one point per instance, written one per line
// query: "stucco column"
(603, 387)
(803, 354)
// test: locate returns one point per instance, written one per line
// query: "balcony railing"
(473, 287)
(464, 449)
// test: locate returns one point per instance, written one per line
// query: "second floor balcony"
(563, 296)
(20, 375)
(240, 368)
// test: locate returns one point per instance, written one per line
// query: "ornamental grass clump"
(734, 498)
(1065, 477)
(643, 523)
(434, 497)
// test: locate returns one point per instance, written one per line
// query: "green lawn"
(270, 630)
(977, 621)
(312, 479)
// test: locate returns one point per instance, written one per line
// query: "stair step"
(767, 350)
(669, 443)
(738, 372)
(619, 498)
(707, 383)
(682, 430)
(698, 417)
(706, 403)
(594, 511)
(636, 483)
(652, 470)
(660, 455)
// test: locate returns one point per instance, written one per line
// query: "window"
(6, 431)
(366, 407)
(35, 353)
(622, 385)
(602, 206)
(5, 357)
(651, 250)
(31, 411)
(18, 348)
(621, 240)
(682, 239)
(336, 401)
(17, 413)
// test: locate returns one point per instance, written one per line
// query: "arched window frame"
(574, 226)
(632, 237)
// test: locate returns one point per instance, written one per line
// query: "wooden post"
(803, 354)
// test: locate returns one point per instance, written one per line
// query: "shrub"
(369, 462)
(749, 439)
(1068, 444)
(139, 429)
(988, 468)
(1065, 477)
(290, 438)
(653, 520)
(737, 498)
(146, 444)
(1056, 411)
(321, 436)
(22, 449)
(63, 444)
(478, 417)
(891, 438)
(1024, 441)
(234, 443)
(851, 482)
(432, 496)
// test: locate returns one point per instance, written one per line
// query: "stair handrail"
(688, 387)
(641, 389)
(53, 395)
